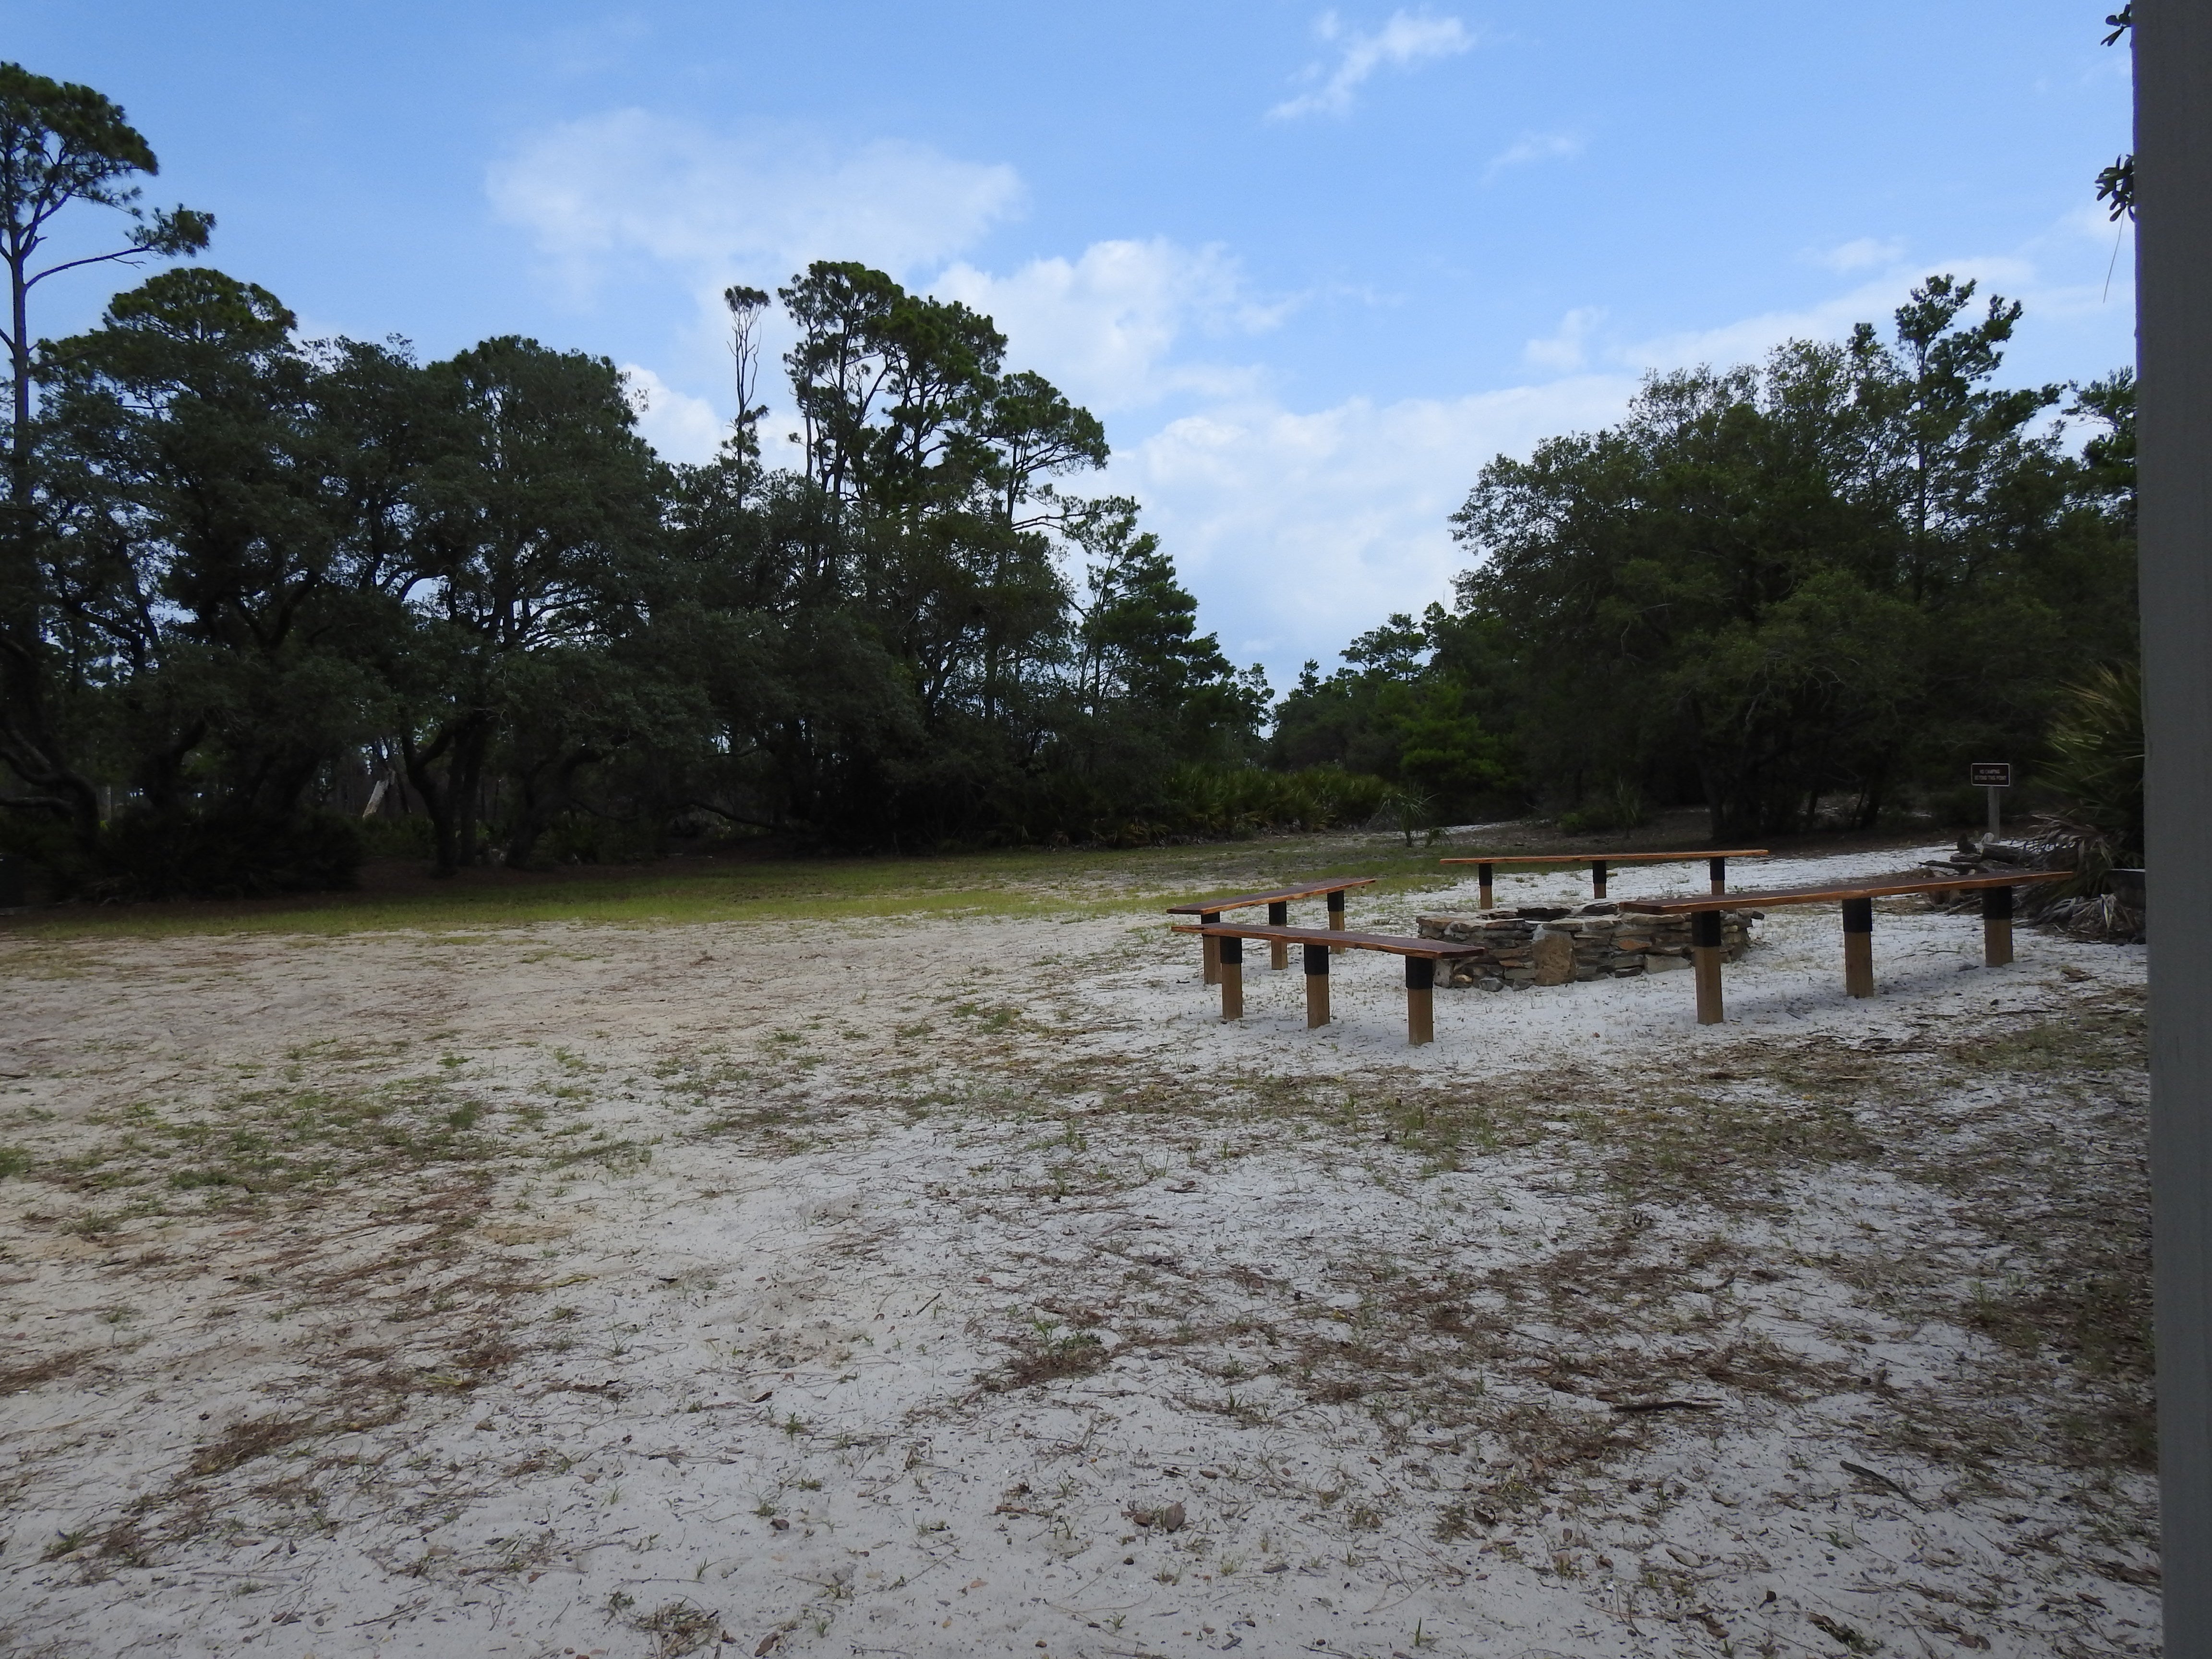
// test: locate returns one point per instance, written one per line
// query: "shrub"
(2097, 755)
(146, 855)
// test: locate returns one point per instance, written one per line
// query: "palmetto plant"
(2096, 757)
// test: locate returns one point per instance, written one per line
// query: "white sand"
(586, 1391)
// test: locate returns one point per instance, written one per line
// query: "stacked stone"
(1547, 945)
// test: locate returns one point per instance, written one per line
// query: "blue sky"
(1313, 267)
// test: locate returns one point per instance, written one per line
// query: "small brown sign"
(1991, 774)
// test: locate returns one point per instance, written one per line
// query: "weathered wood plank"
(1279, 896)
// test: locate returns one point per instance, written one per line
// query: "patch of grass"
(718, 891)
(679, 1628)
(1040, 1359)
(266, 1141)
(29, 1373)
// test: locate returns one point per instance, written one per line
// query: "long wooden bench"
(1421, 956)
(1856, 899)
(1716, 865)
(1278, 904)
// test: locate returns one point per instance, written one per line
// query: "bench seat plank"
(1609, 858)
(1400, 945)
(1600, 864)
(1871, 887)
(1280, 896)
(1857, 897)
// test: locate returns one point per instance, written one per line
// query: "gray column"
(2172, 45)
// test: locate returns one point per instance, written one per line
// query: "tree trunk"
(536, 811)
(436, 792)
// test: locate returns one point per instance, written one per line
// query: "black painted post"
(1420, 1000)
(1317, 986)
(1336, 918)
(1485, 879)
(1278, 953)
(1717, 872)
(1858, 946)
(1597, 877)
(1996, 927)
(1233, 977)
(1706, 961)
(1210, 948)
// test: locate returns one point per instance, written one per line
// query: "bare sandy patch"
(949, 1286)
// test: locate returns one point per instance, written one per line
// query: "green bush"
(411, 836)
(1221, 801)
(146, 855)
(2097, 754)
(1620, 807)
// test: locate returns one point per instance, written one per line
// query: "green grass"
(688, 892)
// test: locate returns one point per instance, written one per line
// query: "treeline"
(261, 563)
(254, 584)
(1808, 591)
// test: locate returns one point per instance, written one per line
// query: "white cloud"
(611, 191)
(1861, 253)
(629, 183)
(1568, 350)
(1298, 529)
(1750, 338)
(679, 427)
(1533, 147)
(1406, 39)
(1102, 326)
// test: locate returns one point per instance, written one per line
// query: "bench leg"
(1279, 954)
(1486, 883)
(1336, 919)
(1317, 986)
(1597, 877)
(1232, 978)
(1211, 967)
(1705, 964)
(1420, 1000)
(1996, 927)
(1716, 872)
(1858, 946)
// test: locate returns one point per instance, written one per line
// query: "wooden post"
(1278, 953)
(1597, 877)
(1420, 1000)
(1232, 978)
(1717, 869)
(1336, 918)
(1996, 927)
(1317, 986)
(1486, 879)
(1858, 946)
(1210, 948)
(1705, 961)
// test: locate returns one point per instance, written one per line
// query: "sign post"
(1991, 775)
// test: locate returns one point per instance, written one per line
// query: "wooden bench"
(1856, 899)
(1421, 956)
(1716, 865)
(1278, 904)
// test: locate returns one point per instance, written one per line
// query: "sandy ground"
(956, 1287)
